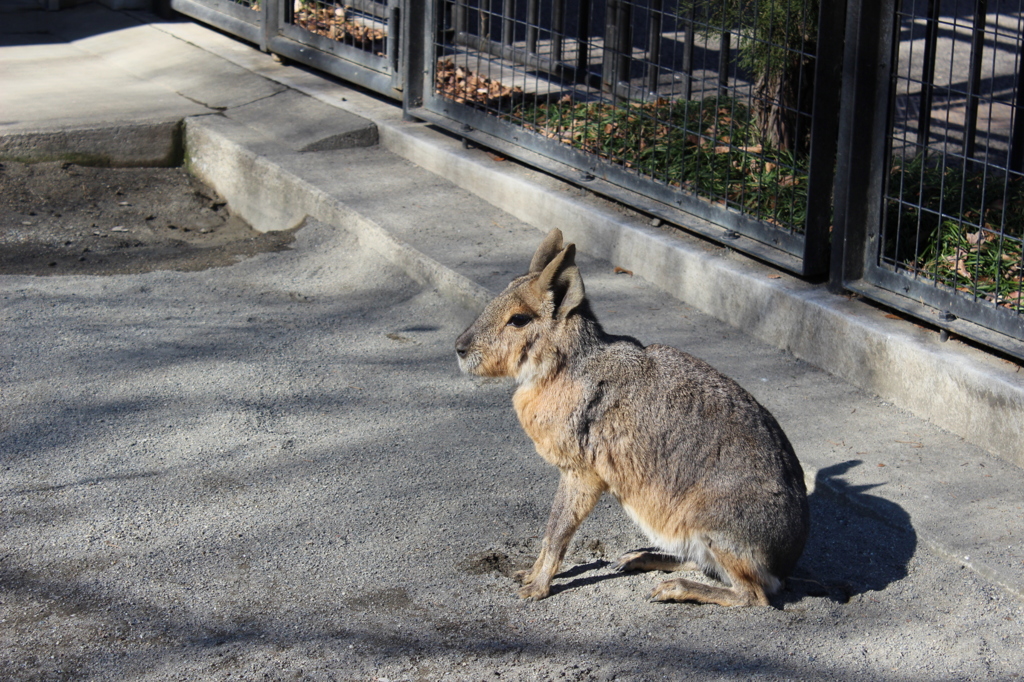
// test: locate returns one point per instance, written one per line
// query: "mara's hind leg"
(748, 586)
(652, 561)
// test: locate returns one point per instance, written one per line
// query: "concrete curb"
(121, 146)
(268, 196)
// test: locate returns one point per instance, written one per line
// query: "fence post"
(828, 74)
(974, 79)
(1016, 156)
(864, 127)
(654, 25)
(931, 40)
(618, 40)
(417, 34)
(583, 42)
(724, 61)
(270, 18)
(687, 66)
(557, 29)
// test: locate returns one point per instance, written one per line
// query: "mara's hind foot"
(651, 561)
(681, 589)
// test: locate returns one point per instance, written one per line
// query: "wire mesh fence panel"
(360, 25)
(953, 218)
(243, 18)
(704, 105)
(355, 40)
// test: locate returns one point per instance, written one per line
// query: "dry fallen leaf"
(623, 271)
(462, 85)
(333, 24)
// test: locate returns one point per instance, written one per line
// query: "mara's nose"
(462, 345)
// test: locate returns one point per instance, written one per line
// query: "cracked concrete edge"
(271, 198)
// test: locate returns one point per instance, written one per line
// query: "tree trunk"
(783, 109)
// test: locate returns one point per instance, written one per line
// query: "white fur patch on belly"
(694, 547)
(689, 548)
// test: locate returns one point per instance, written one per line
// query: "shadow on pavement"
(858, 542)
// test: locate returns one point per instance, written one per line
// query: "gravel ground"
(273, 470)
(63, 219)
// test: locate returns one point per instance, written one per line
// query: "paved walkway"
(285, 145)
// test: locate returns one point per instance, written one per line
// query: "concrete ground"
(273, 469)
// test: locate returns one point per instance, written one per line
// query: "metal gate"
(930, 191)
(357, 41)
(680, 106)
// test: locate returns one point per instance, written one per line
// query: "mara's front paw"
(524, 577)
(534, 591)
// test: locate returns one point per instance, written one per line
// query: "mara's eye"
(519, 320)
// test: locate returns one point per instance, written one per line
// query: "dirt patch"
(489, 562)
(64, 219)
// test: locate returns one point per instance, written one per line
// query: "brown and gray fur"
(695, 461)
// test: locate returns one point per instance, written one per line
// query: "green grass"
(710, 148)
(963, 230)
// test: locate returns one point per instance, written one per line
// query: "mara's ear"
(561, 280)
(547, 250)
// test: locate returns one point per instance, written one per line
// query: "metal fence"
(879, 142)
(356, 40)
(703, 107)
(930, 195)
(242, 18)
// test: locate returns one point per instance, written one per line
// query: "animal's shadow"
(858, 543)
